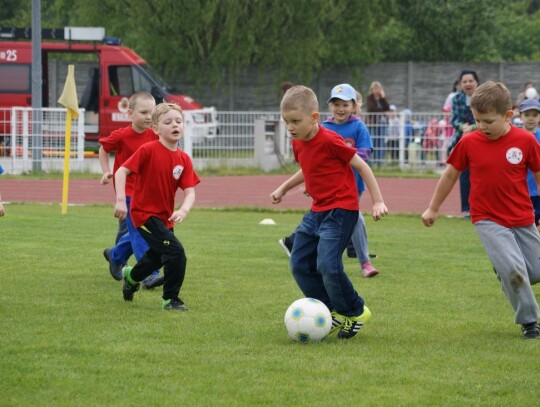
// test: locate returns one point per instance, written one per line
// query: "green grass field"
(442, 333)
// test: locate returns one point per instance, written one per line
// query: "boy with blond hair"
(498, 156)
(161, 168)
(124, 142)
(326, 163)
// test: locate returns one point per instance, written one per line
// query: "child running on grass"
(498, 155)
(161, 168)
(326, 163)
(124, 142)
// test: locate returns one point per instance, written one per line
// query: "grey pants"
(515, 255)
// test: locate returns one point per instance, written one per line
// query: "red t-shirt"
(160, 172)
(498, 174)
(124, 142)
(328, 176)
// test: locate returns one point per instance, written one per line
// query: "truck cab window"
(129, 79)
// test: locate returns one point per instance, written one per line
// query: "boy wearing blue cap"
(342, 104)
(529, 113)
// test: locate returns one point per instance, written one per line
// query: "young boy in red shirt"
(498, 155)
(161, 168)
(124, 142)
(326, 163)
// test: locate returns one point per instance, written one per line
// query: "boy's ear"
(509, 114)
(316, 116)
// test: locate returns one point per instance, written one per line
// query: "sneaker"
(128, 289)
(152, 281)
(175, 304)
(531, 331)
(372, 256)
(114, 268)
(368, 270)
(337, 322)
(286, 245)
(351, 325)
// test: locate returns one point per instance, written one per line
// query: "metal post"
(36, 87)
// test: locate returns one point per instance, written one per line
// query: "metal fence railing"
(34, 139)
(215, 139)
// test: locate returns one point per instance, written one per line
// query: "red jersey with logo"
(498, 174)
(124, 142)
(160, 172)
(328, 176)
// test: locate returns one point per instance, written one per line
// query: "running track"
(401, 195)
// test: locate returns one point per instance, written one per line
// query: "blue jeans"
(316, 260)
(465, 189)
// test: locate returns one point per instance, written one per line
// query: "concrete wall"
(422, 87)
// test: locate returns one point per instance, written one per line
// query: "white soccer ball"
(308, 320)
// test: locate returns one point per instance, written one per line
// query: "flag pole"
(67, 148)
(69, 100)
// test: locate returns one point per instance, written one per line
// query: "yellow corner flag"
(69, 100)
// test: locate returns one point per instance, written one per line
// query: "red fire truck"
(107, 74)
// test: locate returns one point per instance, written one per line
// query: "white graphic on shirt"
(177, 171)
(514, 155)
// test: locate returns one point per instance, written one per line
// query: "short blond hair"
(139, 95)
(164, 108)
(300, 98)
(491, 97)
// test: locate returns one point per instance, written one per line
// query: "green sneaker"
(128, 289)
(351, 325)
(175, 304)
(337, 322)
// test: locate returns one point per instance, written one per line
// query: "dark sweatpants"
(164, 250)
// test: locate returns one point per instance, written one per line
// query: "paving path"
(402, 195)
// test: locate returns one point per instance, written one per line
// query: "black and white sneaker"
(531, 331)
(286, 244)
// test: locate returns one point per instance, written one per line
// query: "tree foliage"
(213, 40)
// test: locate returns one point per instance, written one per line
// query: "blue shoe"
(114, 268)
(152, 281)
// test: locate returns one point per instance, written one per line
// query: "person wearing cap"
(498, 156)
(529, 113)
(343, 105)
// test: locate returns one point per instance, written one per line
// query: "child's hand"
(106, 177)
(379, 211)
(120, 210)
(429, 217)
(276, 196)
(178, 216)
